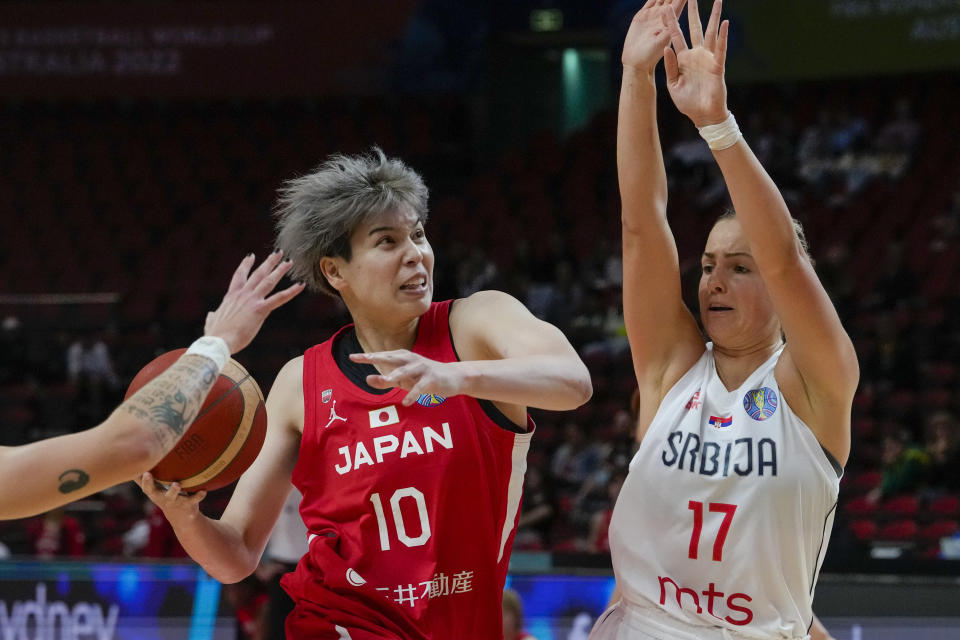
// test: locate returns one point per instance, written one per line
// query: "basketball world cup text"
(380, 448)
(743, 456)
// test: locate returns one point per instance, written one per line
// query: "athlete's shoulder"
(290, 374)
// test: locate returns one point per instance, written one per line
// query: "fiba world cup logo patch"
(760, 403)
(430, 400)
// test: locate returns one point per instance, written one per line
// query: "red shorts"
(328, 606)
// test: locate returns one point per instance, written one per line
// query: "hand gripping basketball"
(247, 302)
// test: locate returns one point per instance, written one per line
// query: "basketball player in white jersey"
(723, 521)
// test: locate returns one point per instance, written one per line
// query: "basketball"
(223, 440)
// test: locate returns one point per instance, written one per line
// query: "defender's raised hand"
(695, 73)
(649, 33)
(248, 302)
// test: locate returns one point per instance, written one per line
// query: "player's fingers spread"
(415, 392)
(271, 279)
(378, 381)
(197, 497)
(173, 492)
(286, 295)
(268, 265)
(722, 43)
(242, 271)
(146, 483)
(676, 36)
(710, 38)
(678, 6)
(670, 65)
(696, 29)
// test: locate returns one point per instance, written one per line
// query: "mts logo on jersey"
(710, 593)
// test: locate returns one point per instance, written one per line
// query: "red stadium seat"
(948, 505)
(865, 480)
(863, 529)
(939, 529)
(902, 506)
(898, 530)
(860, 506)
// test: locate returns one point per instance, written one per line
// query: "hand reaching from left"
(248, 300)
(695, 73)
(649, 33)
(412, 372)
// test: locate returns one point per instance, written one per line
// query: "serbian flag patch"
(720, 422)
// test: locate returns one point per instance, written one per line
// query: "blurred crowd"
(877, 188)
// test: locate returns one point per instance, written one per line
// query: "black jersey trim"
(488, 407)
(837, 467)
(823, 535)
(345, 343)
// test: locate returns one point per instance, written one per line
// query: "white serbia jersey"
(726, 512)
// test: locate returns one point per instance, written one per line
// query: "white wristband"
(723, 135)
(213, 347)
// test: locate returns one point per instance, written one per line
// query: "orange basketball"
(226, 435)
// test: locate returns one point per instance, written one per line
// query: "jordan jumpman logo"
(333, 415)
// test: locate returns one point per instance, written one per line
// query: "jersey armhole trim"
(488, 407)
(837, 467)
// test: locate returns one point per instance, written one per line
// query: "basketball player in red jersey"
(406, 432)
(50, 473)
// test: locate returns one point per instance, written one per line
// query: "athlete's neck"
(735, 365)
(375, 337)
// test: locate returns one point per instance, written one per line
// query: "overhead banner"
(197, 49)
(802, 39)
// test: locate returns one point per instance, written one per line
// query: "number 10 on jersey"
(401, 528)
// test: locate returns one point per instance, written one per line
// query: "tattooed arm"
(43, 475)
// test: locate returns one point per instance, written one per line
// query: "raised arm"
(819, 370)
(664, 339)
(230, 548)
(136, 436)
(509, 357)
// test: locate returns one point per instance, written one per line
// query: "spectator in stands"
(475, 273)
(89, 362)
(902, 133)
(575, 459)
(56, 534)
(538, 512)
(942, 447)
(161, 540)
(513, 617)
(904, 465)
(90, 370)
(287, 544)
(248, 599)
(598, 541)
(813, 150)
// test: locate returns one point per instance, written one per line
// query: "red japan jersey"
(411, 510)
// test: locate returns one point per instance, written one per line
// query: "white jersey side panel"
(726, 512)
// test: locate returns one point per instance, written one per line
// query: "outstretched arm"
(664, 339)
(509, 357)
(138, 434)
(818, 371)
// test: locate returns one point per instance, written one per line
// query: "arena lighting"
(546, 20)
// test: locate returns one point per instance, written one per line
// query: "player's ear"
(332, 269)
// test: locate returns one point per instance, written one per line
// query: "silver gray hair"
(317, 213)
